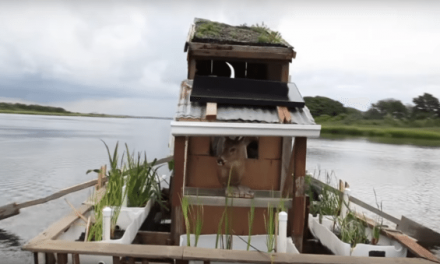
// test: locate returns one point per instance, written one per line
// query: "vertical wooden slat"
(35, 257)
(130, 260)
(297, 212)
(285, 72)
(75, 258)
(61, 258)
(285, 161)
(176, 194)
(50, 258)
(145, 261)
(116, 260)
(281, 116)
(191, 69)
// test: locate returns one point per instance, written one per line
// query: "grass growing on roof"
(208, 29)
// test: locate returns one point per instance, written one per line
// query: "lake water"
(40, 155)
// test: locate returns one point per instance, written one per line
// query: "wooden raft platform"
(46, 243)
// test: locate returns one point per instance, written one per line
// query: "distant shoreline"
(23, 112)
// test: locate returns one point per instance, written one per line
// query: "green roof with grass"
(256, 35)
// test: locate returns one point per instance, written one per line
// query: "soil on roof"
(257, 35)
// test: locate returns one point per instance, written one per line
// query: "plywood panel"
(269, 147)
(261, 174)
(202, 172)
(239, 219)
(199, 145)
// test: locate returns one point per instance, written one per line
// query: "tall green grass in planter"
(269, 224)
(112, 197)
(142, 183)
(352, 230)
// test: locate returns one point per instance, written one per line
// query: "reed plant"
(251, 215)
(227, 220)
(328, 202)
(186, 212)
(352, 230)
(142, 181)
(269, 224)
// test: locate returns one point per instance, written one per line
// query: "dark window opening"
(252, 150)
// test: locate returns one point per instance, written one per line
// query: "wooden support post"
(191, 69)
(130, 260)
(50, 258)
(211, 111)
(35, 257)
(75, 258)
(285, 72)
(116, 260)
(298, 209)
(61, 258)
(145, 261)
(285, 163)
(281, 116)
(101, 176)
(177, 189)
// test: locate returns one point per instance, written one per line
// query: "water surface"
(40, 155)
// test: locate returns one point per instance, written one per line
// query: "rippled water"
(40, 155)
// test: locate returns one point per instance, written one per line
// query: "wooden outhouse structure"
(252, 97)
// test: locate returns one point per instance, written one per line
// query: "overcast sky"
(127, 57)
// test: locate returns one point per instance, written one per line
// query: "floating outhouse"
(238, 89)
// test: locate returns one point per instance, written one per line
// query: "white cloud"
(346, 49)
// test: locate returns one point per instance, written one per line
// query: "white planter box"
(386, 247)
(130, 219)
(257, 241)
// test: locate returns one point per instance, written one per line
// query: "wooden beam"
(61, 258)
(75, 258)
(222, 255)
(319, 184)
(109, 249)
(285, 72)
(281, 116)
(284, 114)
(153, 238)
(422, 233)
(58, 227)
(297, 212)
(36, 258)
(116, 260)
(211, 111)
(203, 254)
(239, 51)
(285, 161)
(287, 116)
(191, 69)
(14, 209)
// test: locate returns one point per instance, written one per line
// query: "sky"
(126, 57)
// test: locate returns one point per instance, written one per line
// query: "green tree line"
(32, 108)
(426, 108)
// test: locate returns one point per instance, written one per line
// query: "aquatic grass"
(226, 219)
(397, 133)
(377, 227)
(269, 224)
(251, 215)
(186, 212)
(352, 230)
(198, 224)
(142, 183)
(328, 202)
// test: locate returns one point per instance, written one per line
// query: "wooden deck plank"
(58, 227)
(191, 253)
(107, 249)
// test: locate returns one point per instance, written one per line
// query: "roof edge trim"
(243, 129)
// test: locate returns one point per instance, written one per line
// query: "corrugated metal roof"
(233, 113)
